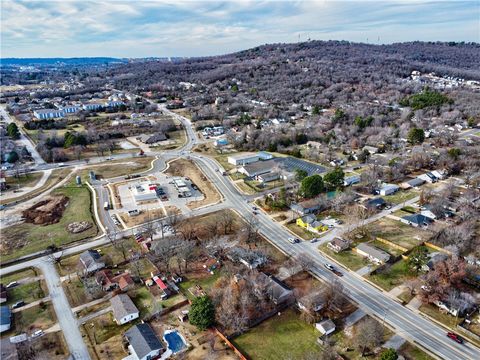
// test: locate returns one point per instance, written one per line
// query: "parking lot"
(290, 164)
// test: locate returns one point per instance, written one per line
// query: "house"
(278, 292)
(265, 156)
(435, 258)
(268, 177)
(70, 109)
(3, 294)
(5, 318)
(351, 180)
(114, 103)
(258, 168)
(370, 149)
(417, 220)
(311, 223)
(143, 343)
(250, 258)
(155, 138)
(436, 212)
(91, 261)
(326, 327)
(428, 177)
(243, 159)
(109, 282)
(439, 174)
(92, 106)
(306, 207)
(124, 310)
(314, 301)
(372, 253)
(388, 189)
(414, 183)
(338, 244)
(375, 204)
(44, 114)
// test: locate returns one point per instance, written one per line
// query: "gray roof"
(5, 315)
(47, 111)
(122, 306)
(327, 325)
(374, 252)
(90, 257)
(418, 219)
(156, 138)
(143, 340)
(260, 167)
(416, 182)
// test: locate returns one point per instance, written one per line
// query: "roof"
(275, 288)
(309, 204)
(90, 257)
(326, 325)
(155, 138)
(5, 315)
(122, 306)
(341, 243)
(374, 252)
(264, 166)
(308, 219)
(243, 156)
(142, 339)
(47, 111)
(418, 219)
(389, 186)
(375, 202)
(416, 182)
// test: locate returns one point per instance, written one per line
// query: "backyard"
(401, 196)
(391, 276)
(398, 233)
(283, 336)
(347, 257)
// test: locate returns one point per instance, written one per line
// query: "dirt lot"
(144, 216)
(187, 168)
(46, 212)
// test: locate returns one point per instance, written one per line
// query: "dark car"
(455, 337)
(329, 267)
(18, 304)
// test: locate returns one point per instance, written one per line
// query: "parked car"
(37, 333)
(12, 284)
(455, 337)
(18, 304)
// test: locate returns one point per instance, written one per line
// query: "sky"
(162, 28)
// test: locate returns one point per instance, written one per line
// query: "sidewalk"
(92, 303)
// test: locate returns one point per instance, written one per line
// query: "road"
(407, 323)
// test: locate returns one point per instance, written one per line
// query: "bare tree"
(368, 335)
(227, 220)
(118, 242)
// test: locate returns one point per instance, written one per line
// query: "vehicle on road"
(255, 213)
(18, 304)
(314, 240)
(106, 205)
(12, 284)
(61, 165)
(254, 208)
(293, 240)
(329, 266)
(455, 337)
(109, 158)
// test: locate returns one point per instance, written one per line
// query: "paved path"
(397, 290)
(28, 189)
(92, 303)
(66, 319)
(91, 316)
(32, 304)
(364, 270)
(415, 303)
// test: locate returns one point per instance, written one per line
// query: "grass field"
(55, 177)
(32, 272)
(301, 232)
(398, 233)
(75, 292)
(411, 352)
(27, 180)
(347, 257)
(34, 318)
(280, 337)
(401, 196)
(392, 276)
(144, 300)
(206, 283)
(33, 134)
(27, 292)
(120, 167)
(27, 238)
(178, 137)
(446, 319)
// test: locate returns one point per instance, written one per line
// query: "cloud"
(193, 28)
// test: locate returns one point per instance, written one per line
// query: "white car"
(37, 333)
(293, 240)
(329, 267)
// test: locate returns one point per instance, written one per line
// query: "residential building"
(325, 327)
(372, 253)
(375, 204)
(388, 189)
(243, 159)
(429, 177)
(435, 213)
(434, 258)
(44, 114)
(91, 261)
(306, 207)
(5, 318)
(338, 244)
(114, 103)
(70, 109)
(351, 180)
(143, 343)
(417, 220)
(92, 106)
(109, 282)
(220, 142)
(124, 310)
(414, 183)
(278, 292)
(310, 223)
(152, 139)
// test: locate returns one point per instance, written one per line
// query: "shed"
(326, 327)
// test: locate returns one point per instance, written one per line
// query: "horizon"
(162, 29)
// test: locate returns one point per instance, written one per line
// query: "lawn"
(27, 180)
(51, 346)
(348, 258)
(245, 188)
(205, 283)
(120, 167)
(392, 276)
(301, 232)
(75, 292)
(446, 319)
(27, 292)
(223, 160)
(33, 134)
(399, 233)
(15, 276)
(280, 337)
(258, 186)
(144, 301)
(401, 196)
(34, 318)
(411, 352)
(28, 238)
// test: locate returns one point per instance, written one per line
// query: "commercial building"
(243, 159)
(144, 192)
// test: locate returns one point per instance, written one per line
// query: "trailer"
(106, 205)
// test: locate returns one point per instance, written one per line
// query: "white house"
(124, 310)
(44, 114)
(388, 189)
(326, 327)
(143, 343)
(243, 159)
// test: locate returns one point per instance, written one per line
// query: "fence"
(435, 247)
(230, 345)
(389, 243)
